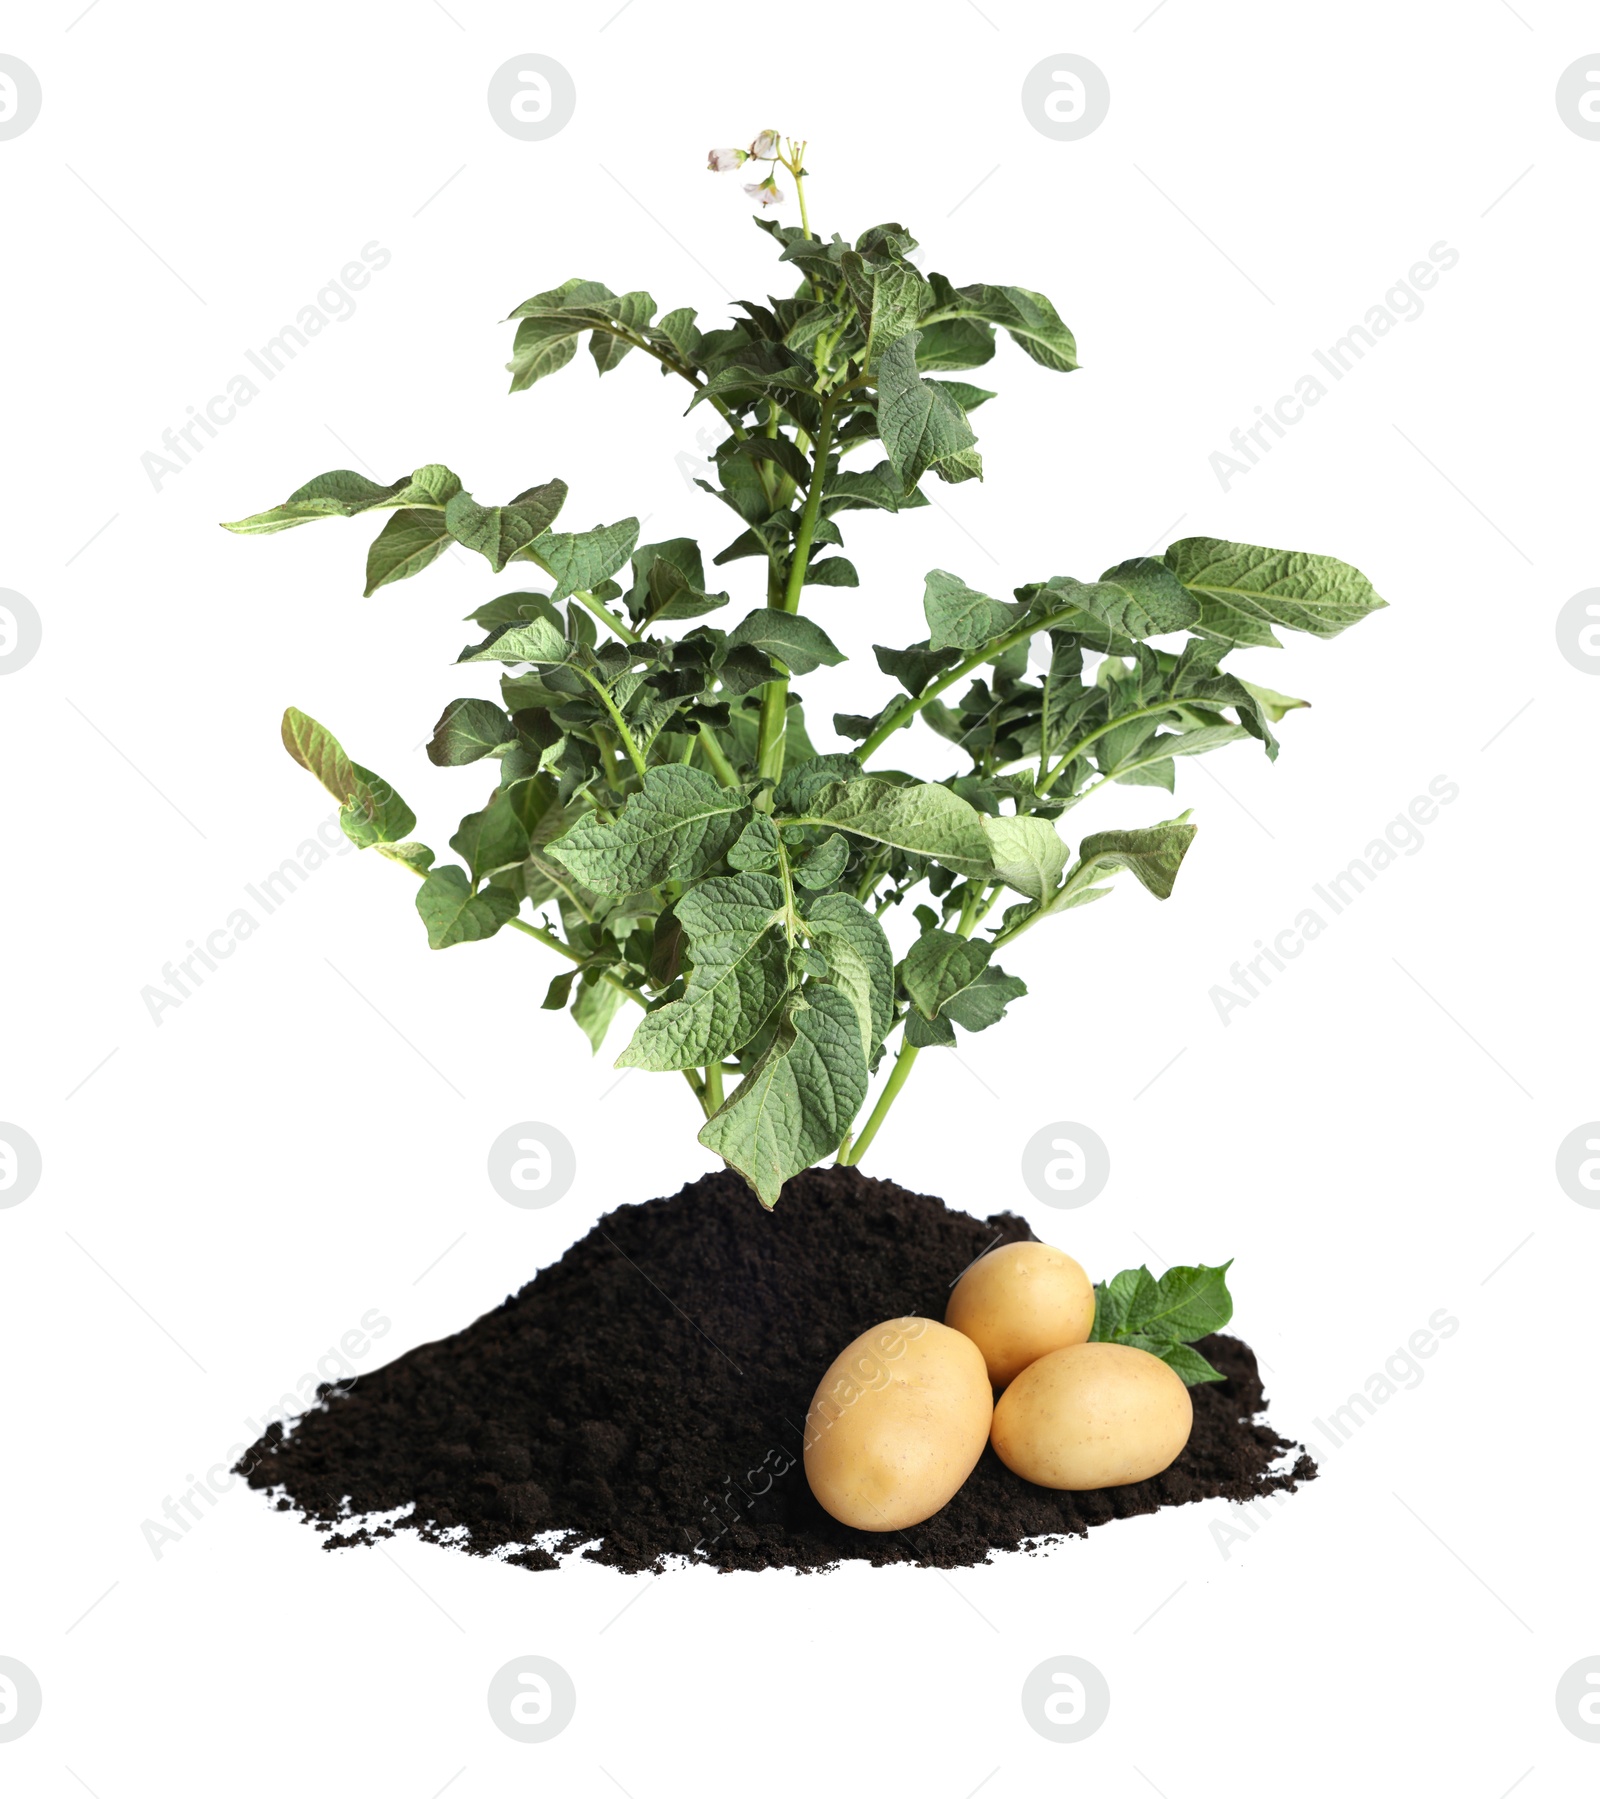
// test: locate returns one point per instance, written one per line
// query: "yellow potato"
(1018, 1303)
(1094, 1415)
(897, 1424)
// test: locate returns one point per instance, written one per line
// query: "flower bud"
(765, 147)
(767, 192)
(720, 161)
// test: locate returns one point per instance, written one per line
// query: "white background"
(299, 1142)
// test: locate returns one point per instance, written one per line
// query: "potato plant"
(661, 818)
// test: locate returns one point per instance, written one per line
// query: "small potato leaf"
(940, 965)
(929, 1033)
(669, 582)
(341, 493)
(675, 827)
(860, 961)
(825, 863)
(467, 731)
(797, 642)
(1029, 318)
(496, 837)
(598, 1000)
(455, 914)
(579, 561)
(1165, 1316)
(756, 846)
(537, 639)
(738, 979)
(1187, 1363)
(316, 748)
(1028, 854)
(984, 1003)
(916, 665)
(957, 343)
(797, 1102)
(371, 813)
(1153, 854)
(802, 780)
(921, 424)
(375, 814)
(832, 571)
(497, 533)
(1244, 590)
(923, 818)
(404, 547)
(960, 618)
(1275, 705)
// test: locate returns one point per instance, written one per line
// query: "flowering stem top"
(767, 147)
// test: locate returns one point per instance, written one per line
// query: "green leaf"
(1244, 590)
(597, 1002)
(959, 617)
(468, 730)
(455, 914)
(887, 297)
(541, 638)
(929, 1033)
(799, 1099)
(965, 395)
(1146, 599)
(1271, 702)
(984, 1003)
(1164, 1316)
(738, 979)
(1153, 855)
(1188, 1364)
(756, 846)
(341, 493)
(497, 533)
(860, 961)
(669, 582)
(404, 547)
(375, 814)
(497, 837)
(921, 425)
(1029, 318)
(804, 778)
(790, 638)
(1028, 854)
(316, 748)
(916, 665)
(415, 856)
(832, 571)
(963, 343)
(634, 312)
(825, 864)
(579, 561)
(878, 486)
(371, 813)
(923, 818)
(940, 965)
(675, 827)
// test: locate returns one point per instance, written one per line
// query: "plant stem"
(625, 632)
(721, 767)
(775, 696)
(638, 761)
(850, 1155)
(908, 709)
(712, 1096)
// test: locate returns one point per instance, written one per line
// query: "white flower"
(765, 147)
(767, 192)
(720, 161)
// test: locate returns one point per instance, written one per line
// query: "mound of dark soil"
(644, 1398)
